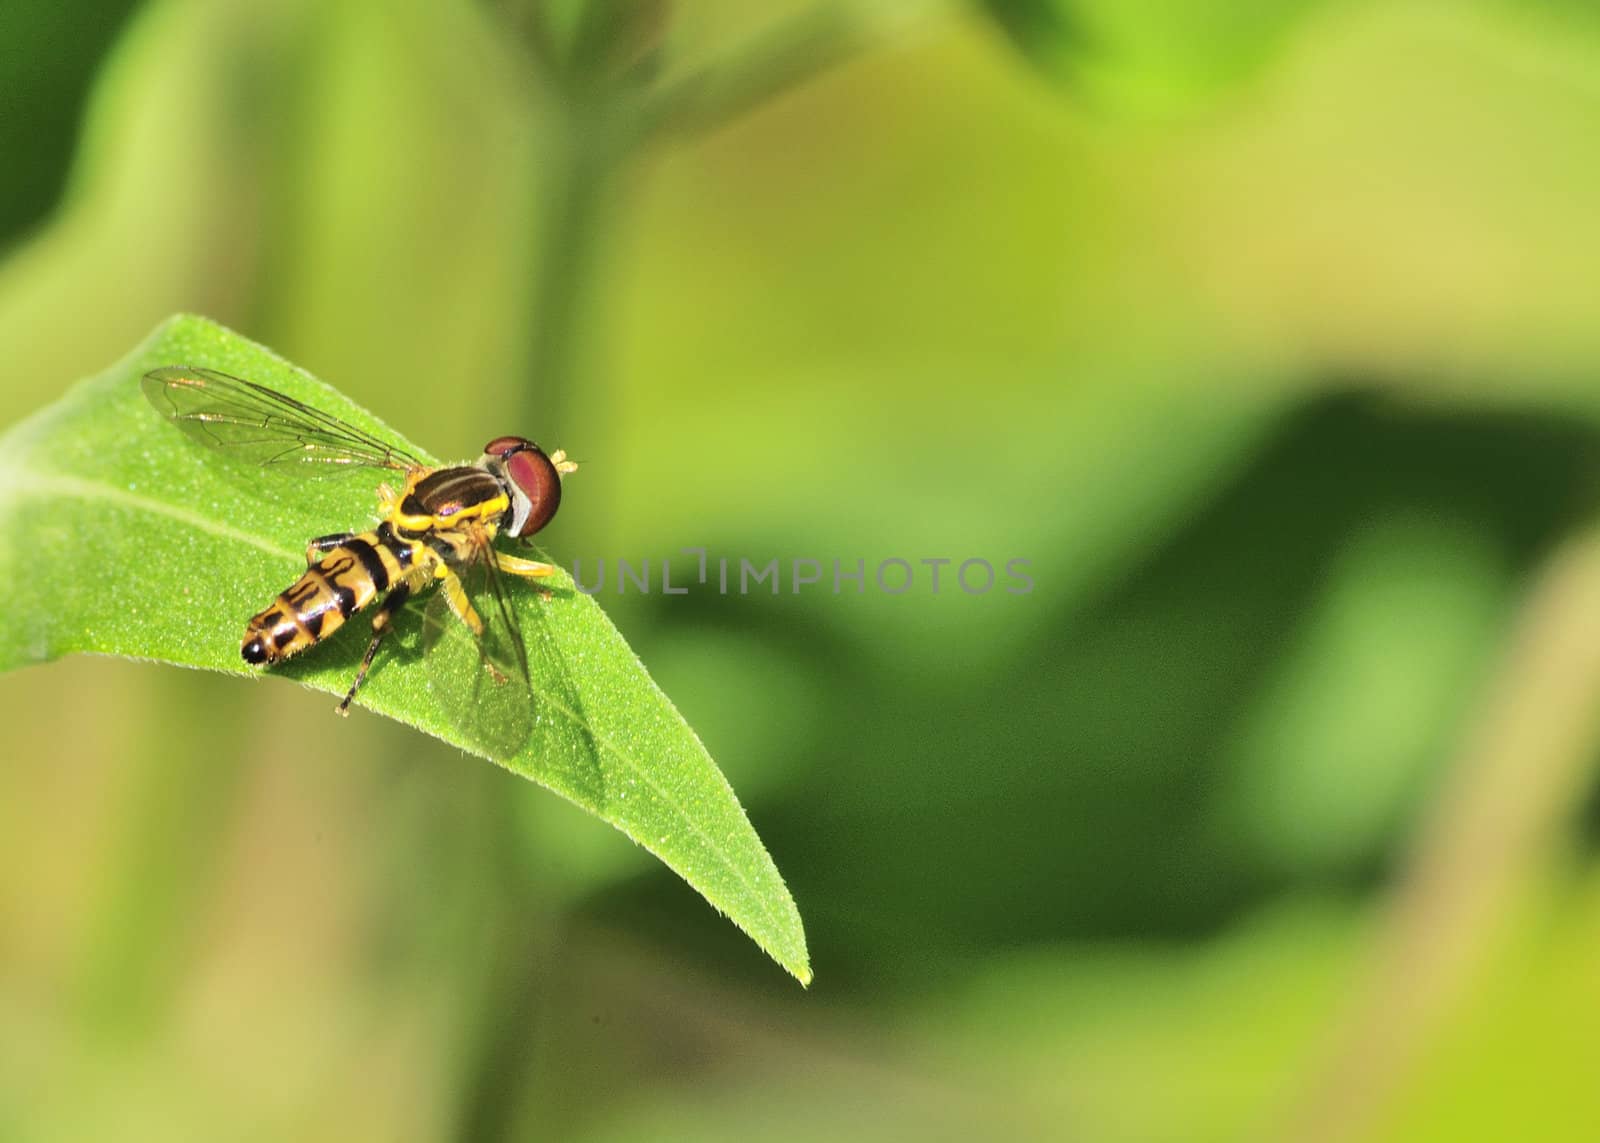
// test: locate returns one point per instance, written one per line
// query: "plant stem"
(600, 130)
(574, 216)
(796, 52)
(1520, 777)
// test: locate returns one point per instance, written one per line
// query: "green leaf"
(121, 536)
(1159, 57)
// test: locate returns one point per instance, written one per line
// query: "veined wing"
(258, 425)
(481, 678)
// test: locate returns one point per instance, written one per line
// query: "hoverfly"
(437, 528)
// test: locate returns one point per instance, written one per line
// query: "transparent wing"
(481, 679)
(258, 425)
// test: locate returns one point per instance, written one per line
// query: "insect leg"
(322, 545)
(381, 621)
(528, 569)
(456, 596)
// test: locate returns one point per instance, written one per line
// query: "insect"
(436, 529)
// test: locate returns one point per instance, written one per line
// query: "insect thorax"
(448, 498)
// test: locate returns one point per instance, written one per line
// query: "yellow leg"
(456, 596)
(528, 569)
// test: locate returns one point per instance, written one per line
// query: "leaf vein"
(13, 480)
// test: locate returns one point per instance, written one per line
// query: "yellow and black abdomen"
(347, 578)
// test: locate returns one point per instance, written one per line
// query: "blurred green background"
(1266, 330)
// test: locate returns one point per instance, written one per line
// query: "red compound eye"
(531, 475)
(504, 446)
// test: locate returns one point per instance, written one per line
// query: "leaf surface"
(123, 537)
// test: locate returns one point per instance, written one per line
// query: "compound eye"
(502, 447)
(531, 473)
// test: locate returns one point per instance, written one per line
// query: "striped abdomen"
(347, 578)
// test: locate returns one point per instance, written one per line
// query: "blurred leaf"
(1167, 55)
(1047, 32)
(49, 54)
(781, 57)
(127, 539)
(1149, 697)
(1372, 689)
(589, 44)
(1159, 56)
